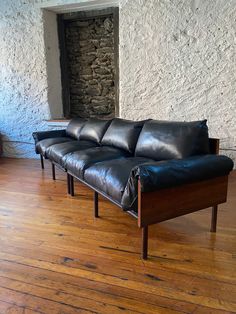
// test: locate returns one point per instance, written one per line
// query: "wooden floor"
(56, 258)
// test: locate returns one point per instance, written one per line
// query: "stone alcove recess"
(58, 89)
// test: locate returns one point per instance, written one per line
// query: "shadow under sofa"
(154, 170)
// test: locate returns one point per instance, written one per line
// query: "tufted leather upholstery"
(112, 155)
(74, 127)
(58, 151)
(111, 177)
(43, 145)
(160, 175)
(123, 134)
(94, 130)
(42, 135)
(162, 140)
(77, 162)
(166, 174)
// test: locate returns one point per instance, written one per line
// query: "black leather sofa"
(154, 170)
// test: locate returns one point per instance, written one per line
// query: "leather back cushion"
(162, 140)
(74, 127)
(123, 134)
(94, 130)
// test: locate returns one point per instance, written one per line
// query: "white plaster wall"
(53, 64)
(178, 62)
(23, 80)
(30, 87)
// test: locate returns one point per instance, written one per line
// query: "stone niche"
(90, 51)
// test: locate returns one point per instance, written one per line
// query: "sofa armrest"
(167, 174)
(159, 175)
(39, 136)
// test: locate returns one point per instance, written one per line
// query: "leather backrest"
(94, 130)
(123, 134)
(162, 140)
(74, 127)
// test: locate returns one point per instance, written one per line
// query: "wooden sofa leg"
(144, 242)
(72, 189)
(68, 183)
(214, 218)
(53, 172)
(42, 162)
(96, 205)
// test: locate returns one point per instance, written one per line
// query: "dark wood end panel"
(169, 203)
(214, 145)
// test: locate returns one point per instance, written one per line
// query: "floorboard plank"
(56, 258)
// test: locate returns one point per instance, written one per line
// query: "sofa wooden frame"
(165, 204)
(158, 206)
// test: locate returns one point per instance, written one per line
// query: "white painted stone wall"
(29, 80)
(177, 62)
(23, 80)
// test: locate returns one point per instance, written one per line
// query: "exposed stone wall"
(178, 62)
(90, 50)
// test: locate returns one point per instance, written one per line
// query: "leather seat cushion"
(74, 127)
(77, 162)
(58, 151)
(94, 130)
(162, 140)
(42, 146)
(123, 134)
(111, 177)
